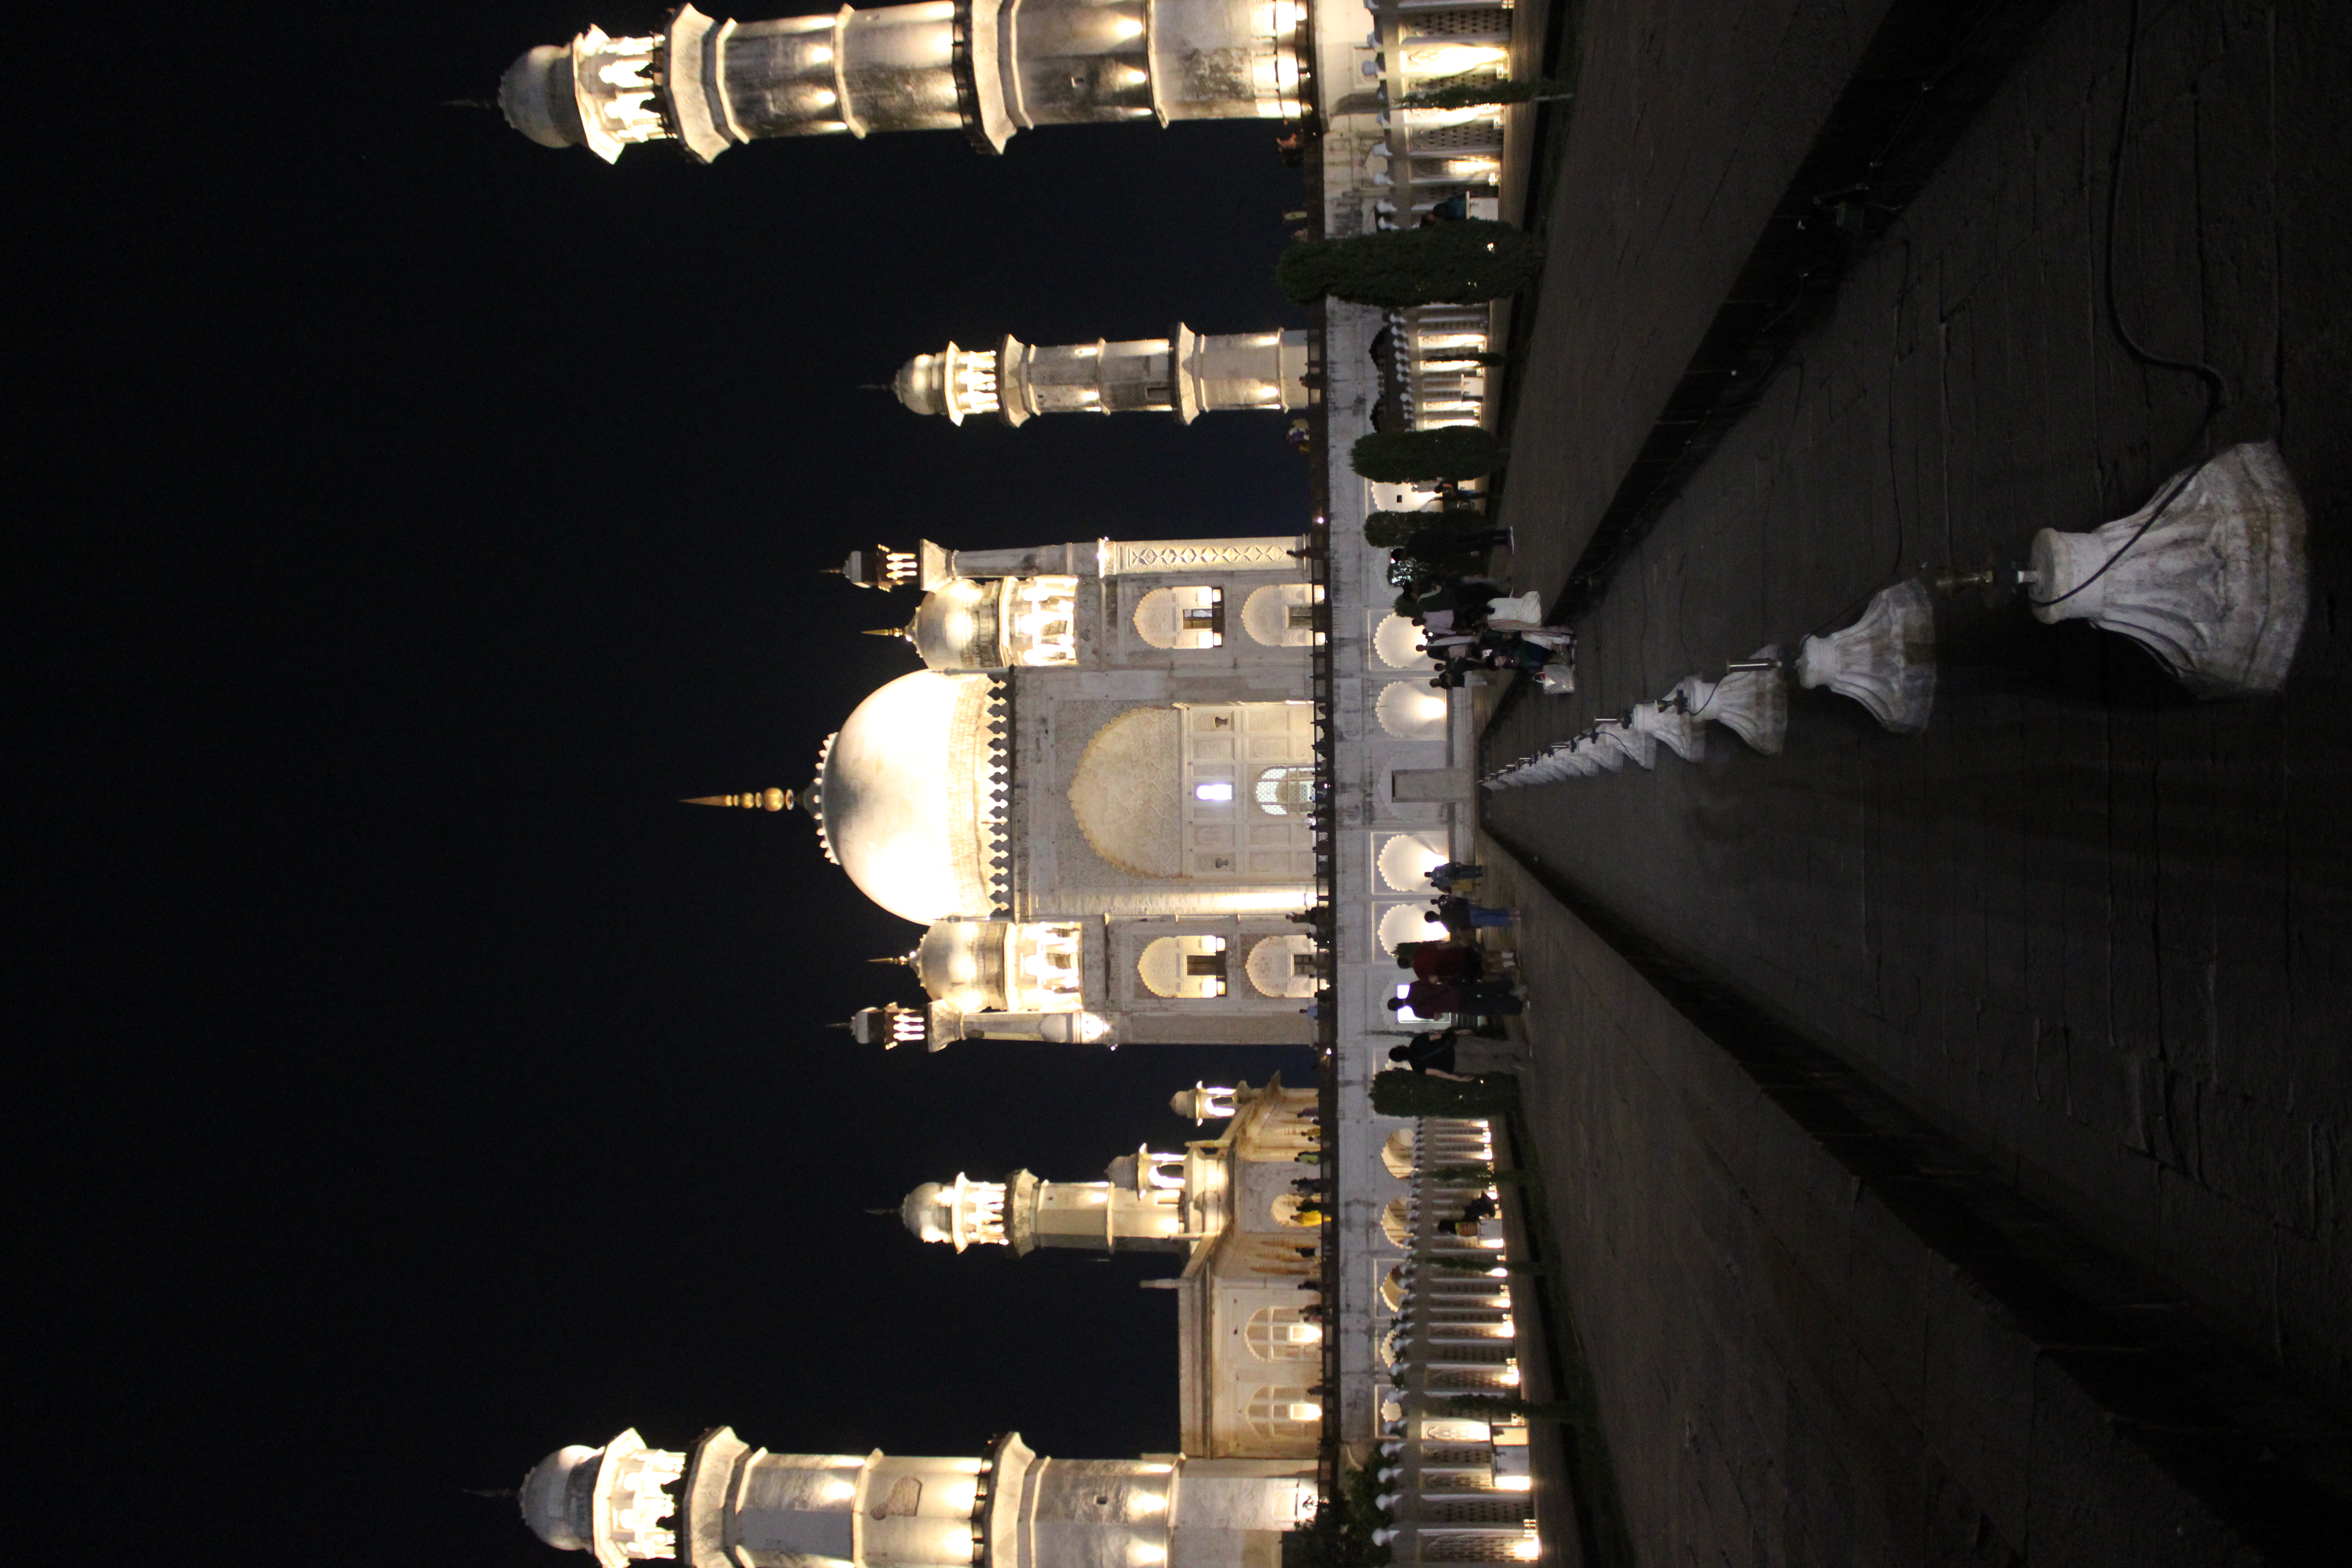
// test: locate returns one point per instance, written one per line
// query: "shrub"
(1397, 1092)
(1458, 263)
(1473, 94)
(1390, 529)
(1471, 1408)
(1404, 457)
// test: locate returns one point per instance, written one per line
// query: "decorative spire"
(905, 634)
(758, 800)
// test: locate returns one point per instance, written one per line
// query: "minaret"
(1147, 1202)
(1187, 375)
(992, 67)
(726, 1504)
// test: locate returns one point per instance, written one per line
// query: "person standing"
(1440, 961)
(1471, 999)
(1460, 916)
(1430, 1053)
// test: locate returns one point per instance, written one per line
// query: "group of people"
(1451, 976)
(1439, 571)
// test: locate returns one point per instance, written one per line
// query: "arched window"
(1182, 618)
(1397, 643)
(1282, 615)
(1286, 791)
(1411, 711)
(1280, 1333)
(1193, 968)
(1297, 1212)
(1281, 1410)
(1285, 967)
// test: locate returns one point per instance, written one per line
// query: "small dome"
(955, 628)
(558, 1497)
(535, 95)
(1201, 1103)
(925, 1213)
(901, 794)
(962, 962)
(922, 383)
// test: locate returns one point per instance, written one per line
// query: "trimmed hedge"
(1390, 529)
(1474, 94)
(1405, 457)
(1458, 263)
(1471, 1408)
(1397, 1092)
(1477, 1173)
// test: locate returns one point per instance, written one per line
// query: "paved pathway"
(1689, 118)
(2097, 935)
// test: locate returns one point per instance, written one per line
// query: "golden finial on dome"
(757, 800)
(888, 632)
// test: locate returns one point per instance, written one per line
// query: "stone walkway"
(2097, 936)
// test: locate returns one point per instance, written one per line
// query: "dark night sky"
(405, 516)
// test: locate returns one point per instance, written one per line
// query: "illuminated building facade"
(1095, 794)
(990, 67)
(726, 1504)
(1249, 1324)
(1185, 373)
(1172, 791)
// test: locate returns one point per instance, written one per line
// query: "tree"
(1457, 263)
(1407, 457)
(1476, 94)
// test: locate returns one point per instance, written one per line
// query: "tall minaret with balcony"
(993, 68)
(1146, 1202)
(1186, 374)
(726, 1504)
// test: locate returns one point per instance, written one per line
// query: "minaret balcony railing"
(618, 84)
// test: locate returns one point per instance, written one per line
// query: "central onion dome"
(910, 796)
